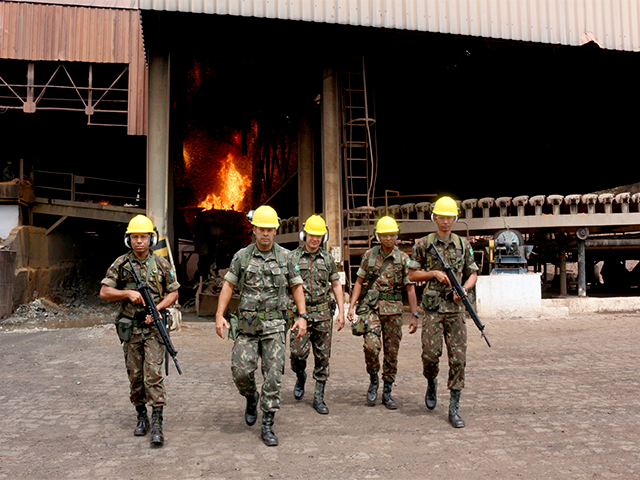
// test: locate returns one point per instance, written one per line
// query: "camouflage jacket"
(268, 278)
(318, 270)
(457, 253)
(392, 280)
(151, 270)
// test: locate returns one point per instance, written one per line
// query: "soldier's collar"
(132, 256)
(263, 253)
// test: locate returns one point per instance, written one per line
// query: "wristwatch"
(305, 316)
(417, 315)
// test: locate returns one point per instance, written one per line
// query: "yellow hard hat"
(140, 224)
(445, 207)
(265, 217)
(387, 225)
(315, 225)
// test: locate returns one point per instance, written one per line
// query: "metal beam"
(306, 195)
(532, 223)
(331, 169)
(94, 211)
(158, 140)
(55, 225)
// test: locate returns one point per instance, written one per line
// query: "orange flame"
(235, 187)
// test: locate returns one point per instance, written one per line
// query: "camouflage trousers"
(318, 337)
(385, 332)
(143, 357)
(270, 349)
(451, 327)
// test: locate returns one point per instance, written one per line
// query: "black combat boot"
(157, 440)
(143, 421)
(268, 436)
(388, 401)
(298, 390)
(372, 393)
(454, 417)
(251, 412)
(431, 397)
(318, 399)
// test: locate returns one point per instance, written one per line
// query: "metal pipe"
(582, 277)
(623, 242)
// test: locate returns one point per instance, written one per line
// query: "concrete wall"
(9, 219)
(7, 269)
(560, 307)
(509, 296)
(44, 264)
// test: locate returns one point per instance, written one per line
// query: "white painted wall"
(9, 219)
(509, 296)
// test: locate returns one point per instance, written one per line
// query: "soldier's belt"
(314, 307)
(320, 307)
(390, 296)
(263, 316)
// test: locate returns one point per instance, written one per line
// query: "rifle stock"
(158, 321)
(455, 283)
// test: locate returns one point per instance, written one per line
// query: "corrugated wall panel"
(615, 24)
(36, 32)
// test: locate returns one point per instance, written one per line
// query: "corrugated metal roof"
(613, 24)
(31, 31)
(126, 4)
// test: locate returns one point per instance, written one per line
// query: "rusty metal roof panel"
(613, 24)
(38, 32)
(32, 31)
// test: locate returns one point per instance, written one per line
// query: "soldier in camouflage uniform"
(144, 352)
(320, 275)
(264, 272)
(443, 310)
(385, 270)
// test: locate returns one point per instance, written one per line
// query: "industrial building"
(196, 112)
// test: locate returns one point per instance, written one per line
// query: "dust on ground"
(554, 398)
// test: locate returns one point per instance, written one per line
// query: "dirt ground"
(555, 398)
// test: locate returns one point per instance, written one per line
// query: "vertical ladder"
(359, 157)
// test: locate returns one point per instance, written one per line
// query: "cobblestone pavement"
(553, 399)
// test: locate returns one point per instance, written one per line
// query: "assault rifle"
(158, 321)
(455, 283)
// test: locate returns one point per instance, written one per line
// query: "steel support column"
(158, 140)
(582, 265)
(331, 167)
(306, 196)
(563, 272)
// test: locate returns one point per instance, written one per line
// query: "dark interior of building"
(467, 116)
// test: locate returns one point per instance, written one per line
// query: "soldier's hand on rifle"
(456, 298)
(442, 277)
(135, 297)
(221, 325)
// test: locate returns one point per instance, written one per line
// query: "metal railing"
(79, 188)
